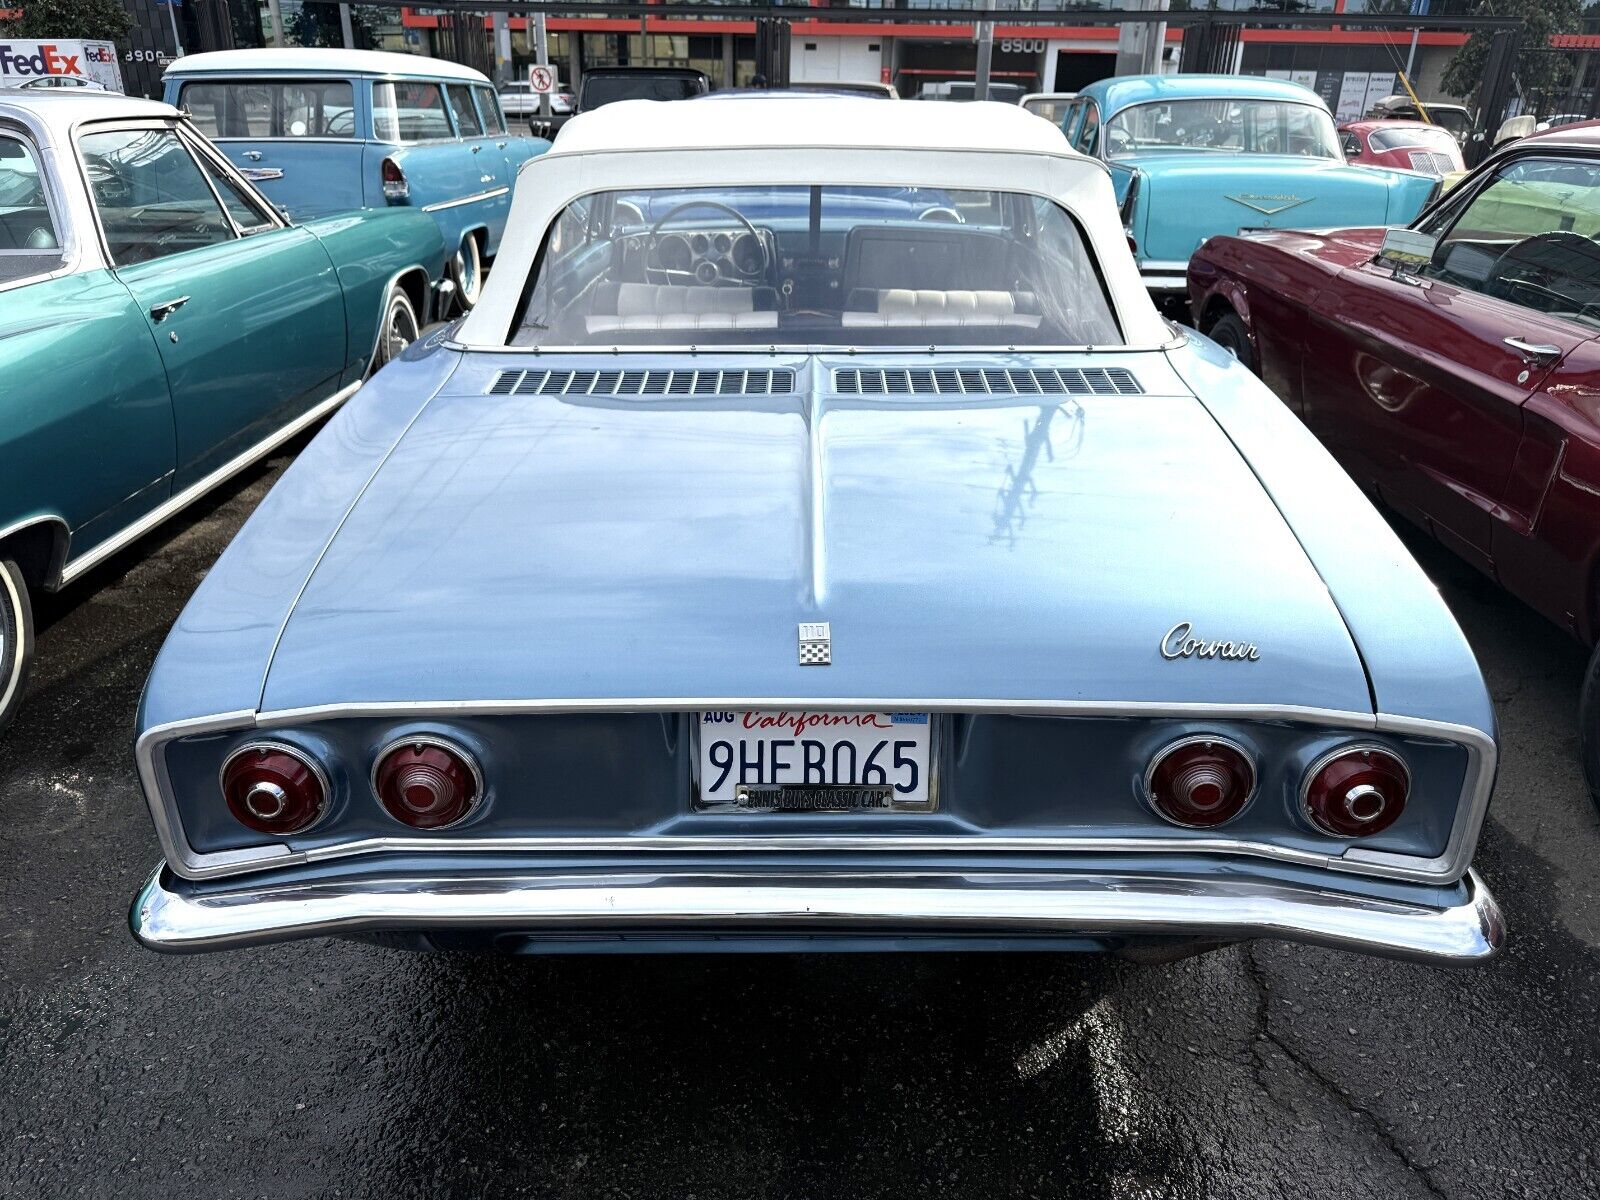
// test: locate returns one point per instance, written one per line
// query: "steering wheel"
(715, 275)
(943, 214)
(1524, 266)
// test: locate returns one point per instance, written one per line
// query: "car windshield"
(1528, 237)
(1421, 137)
(1052, 109)
(247, 108)
(1225, 127)
(799, 265)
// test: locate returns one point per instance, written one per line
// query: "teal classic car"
(162, 326)
(1194, 156)
(322, 131)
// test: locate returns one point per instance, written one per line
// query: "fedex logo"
(46, 61)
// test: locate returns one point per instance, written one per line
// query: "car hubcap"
(467, 273)
(401, 333)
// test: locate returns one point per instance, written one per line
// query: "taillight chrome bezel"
(438, 741)
(1338, 752)
(301, 755)
(397, 190)
(1208, 739)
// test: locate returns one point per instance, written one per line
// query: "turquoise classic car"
(321, 131)
(1195, 156)
(162, 326)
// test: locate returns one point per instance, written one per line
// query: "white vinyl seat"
(915, 307)
(667, 306)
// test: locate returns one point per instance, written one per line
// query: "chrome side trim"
(104, 550)
(472, 199)
(1447, 867)
(167, 916)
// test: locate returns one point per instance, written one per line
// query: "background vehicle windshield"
(599, 89)
(240, 108)
(1225, 126)
(815, 265)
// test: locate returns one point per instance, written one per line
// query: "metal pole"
(1411, 55)
(541, 55)
(346, 29)
(276, 16)
(980, 80)
(177, 42)
(501, 23)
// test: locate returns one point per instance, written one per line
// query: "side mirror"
(1406, 250)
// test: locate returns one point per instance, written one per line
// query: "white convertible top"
(312, 59)
(808, 141)
(813, 122)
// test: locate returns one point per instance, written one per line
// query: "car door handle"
(160, 312)
(1538, 353)
(499, 145)
(475, 149)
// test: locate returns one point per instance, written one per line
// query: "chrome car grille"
(988, 381)
(1430, 163)
(643, 383)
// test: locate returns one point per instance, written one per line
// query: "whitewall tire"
(16, 639)
(466, 268)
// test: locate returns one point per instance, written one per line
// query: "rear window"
(1420, 137)
(28, 241)
(608, 89)
(803, 266)
(262, 108)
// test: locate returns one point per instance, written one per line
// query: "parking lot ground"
(337, 1069)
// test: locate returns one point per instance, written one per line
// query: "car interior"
(1529, 236)
(807, 265)
(28, 241)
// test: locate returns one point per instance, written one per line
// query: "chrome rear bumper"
(172, 915)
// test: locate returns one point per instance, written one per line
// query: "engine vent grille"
(643, 383)
(988, 381)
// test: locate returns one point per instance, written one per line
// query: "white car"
(68, 82)
(520, 100)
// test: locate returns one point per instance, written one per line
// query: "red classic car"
(1453, 367)
(1411, 145)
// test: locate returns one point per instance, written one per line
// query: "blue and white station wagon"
(322, 131)
(755, 568)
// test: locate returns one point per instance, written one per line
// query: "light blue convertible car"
(1194, 156)
(755, 569)
(322, 131)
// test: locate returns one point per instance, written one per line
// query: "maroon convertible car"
(1452, 367)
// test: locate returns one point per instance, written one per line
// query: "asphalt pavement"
(327, 1068)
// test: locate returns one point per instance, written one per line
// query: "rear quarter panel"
(1418, 662)
(369, 249)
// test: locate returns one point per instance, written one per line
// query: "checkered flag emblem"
(816, 644)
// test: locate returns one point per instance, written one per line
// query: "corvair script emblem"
(1180, 644)
(1269, 206)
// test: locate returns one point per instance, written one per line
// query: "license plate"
(815, 761)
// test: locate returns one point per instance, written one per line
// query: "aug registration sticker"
(793, 761)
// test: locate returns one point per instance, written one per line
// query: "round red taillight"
(426, 783)
(1200, 782)
(1356, 791)
(274, 788)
